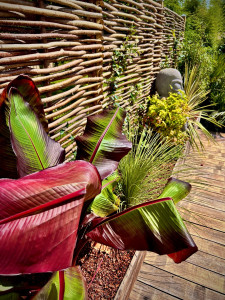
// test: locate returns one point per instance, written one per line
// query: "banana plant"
(44, 220)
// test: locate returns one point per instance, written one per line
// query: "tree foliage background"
(204, 44)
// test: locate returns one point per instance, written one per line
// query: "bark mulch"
(103, 270)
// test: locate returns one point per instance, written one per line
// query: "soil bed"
(103, 270)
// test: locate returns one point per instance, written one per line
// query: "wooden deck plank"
(173, 285)
(208, 202)
(188, 271)
(209, 194)
(210, 247)
(200, 209)
(208, 262)
(143, 291)
(201, 276)
(202, 220)
(206, 233)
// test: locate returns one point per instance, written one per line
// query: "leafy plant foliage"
(168, 116)
(43, 215)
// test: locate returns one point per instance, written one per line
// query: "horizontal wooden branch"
(29, 57)
(37, 11)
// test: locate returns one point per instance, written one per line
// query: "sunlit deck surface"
(202, 276)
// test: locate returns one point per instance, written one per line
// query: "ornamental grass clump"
(146, 168)
(197, 109)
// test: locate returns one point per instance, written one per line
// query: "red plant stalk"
(98, 268)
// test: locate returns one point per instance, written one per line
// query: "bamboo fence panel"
(59, 45)
(67, 47)
(120, 19)
(154, 27)
(173, 33)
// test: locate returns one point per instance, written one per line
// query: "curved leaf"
(8, 158)
(34, 149)
(27, 88)
(10, 296)
(106, 202)
(176, 189)
(40, 214)
(64, 285)
(154, 226)
(103, 143)
(29, 91)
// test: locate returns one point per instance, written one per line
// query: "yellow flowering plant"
(168, 116)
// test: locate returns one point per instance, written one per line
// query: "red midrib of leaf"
(102, 136)
(108, 183)
(28, 135)
(43, 207)
(61, 285)
(105, 219)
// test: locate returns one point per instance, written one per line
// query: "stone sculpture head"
(168, 80)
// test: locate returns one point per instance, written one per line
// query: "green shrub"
(168, 116)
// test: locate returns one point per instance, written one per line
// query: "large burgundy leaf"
(40, 214)
(29, 91)
(154, 226)
(8, 167)
(34, 149)
(103, 144)
(27, 88)
(64, 285)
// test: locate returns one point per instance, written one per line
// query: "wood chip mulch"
(103, 270)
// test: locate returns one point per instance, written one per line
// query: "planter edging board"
(131, 275)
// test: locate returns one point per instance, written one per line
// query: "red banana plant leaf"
(106, 202)
(64, 285)
(8, 158)
(176, 189)
(153, 226)
(11, 296)
(27, 88)
(29, 91)
(103, 144)
(40, 214)
(34, 149)
(20, 285)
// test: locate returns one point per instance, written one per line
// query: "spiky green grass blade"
(196, 98)
(146, 169)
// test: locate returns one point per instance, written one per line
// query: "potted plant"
(47, 213)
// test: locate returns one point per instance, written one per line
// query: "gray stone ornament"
(168, 80)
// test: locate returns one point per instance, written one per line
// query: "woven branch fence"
(67, 47)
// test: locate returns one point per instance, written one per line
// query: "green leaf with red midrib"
(106, 202)
(153, 226)
(34, 149)
(66, 284)
(102, 136)
(27, 88)
(29, 91)
(103, 143)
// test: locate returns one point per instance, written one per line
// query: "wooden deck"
(202, 276)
